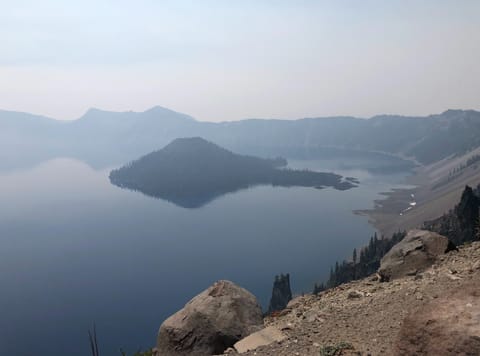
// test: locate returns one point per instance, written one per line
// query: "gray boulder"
(417, 251)
(211, 322)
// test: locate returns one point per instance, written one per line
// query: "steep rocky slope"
(368, 317)
(435, 188)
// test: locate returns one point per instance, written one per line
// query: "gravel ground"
(364, 317)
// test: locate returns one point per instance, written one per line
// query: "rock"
(476, 266)
(445, 326)
(295, 302)
(453, 277)
(417, 251)
(354, 294)
(281, 293)
(288, 326)
(418, 276)
(263, 337)
(310, 315)
(211, 322)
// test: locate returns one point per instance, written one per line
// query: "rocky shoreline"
(435, 191)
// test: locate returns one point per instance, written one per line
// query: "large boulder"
(446, 326)
(211, 322)
(417, 251)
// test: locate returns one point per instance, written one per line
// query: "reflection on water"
(77, 250)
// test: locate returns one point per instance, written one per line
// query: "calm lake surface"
(76, 250)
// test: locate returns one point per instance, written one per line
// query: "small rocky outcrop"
(446, 326)
(417, 251)
(281, 293)
(211, 322)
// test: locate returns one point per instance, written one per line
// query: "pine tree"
(354, 258)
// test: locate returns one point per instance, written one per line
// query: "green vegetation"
(335, 350)
(461, 224)
(367, 264)
(92, 338)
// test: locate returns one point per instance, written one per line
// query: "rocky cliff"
(434, 312)
(432, 308)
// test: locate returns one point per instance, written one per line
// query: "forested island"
(191, 172)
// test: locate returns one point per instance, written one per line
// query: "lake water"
(76, 250)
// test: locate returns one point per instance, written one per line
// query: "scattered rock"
(295, 302)
(310, 315)
(417, 251)
(476, 265)
(260, 338)
(211, 322)
(453, 277)
(371, 324)
(354, 294)
(288, 326)
(342, 348)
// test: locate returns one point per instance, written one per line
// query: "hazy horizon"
(254, 59)
(239, 119)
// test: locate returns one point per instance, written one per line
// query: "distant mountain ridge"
(130, 134)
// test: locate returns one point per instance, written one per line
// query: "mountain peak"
(158, 108)
(93, 112)
(167, 113)
(186, 140)
(451, 112)
(193, 144)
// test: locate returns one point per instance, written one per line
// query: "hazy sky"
(225, 60)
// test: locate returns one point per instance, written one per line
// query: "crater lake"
(78, 251)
